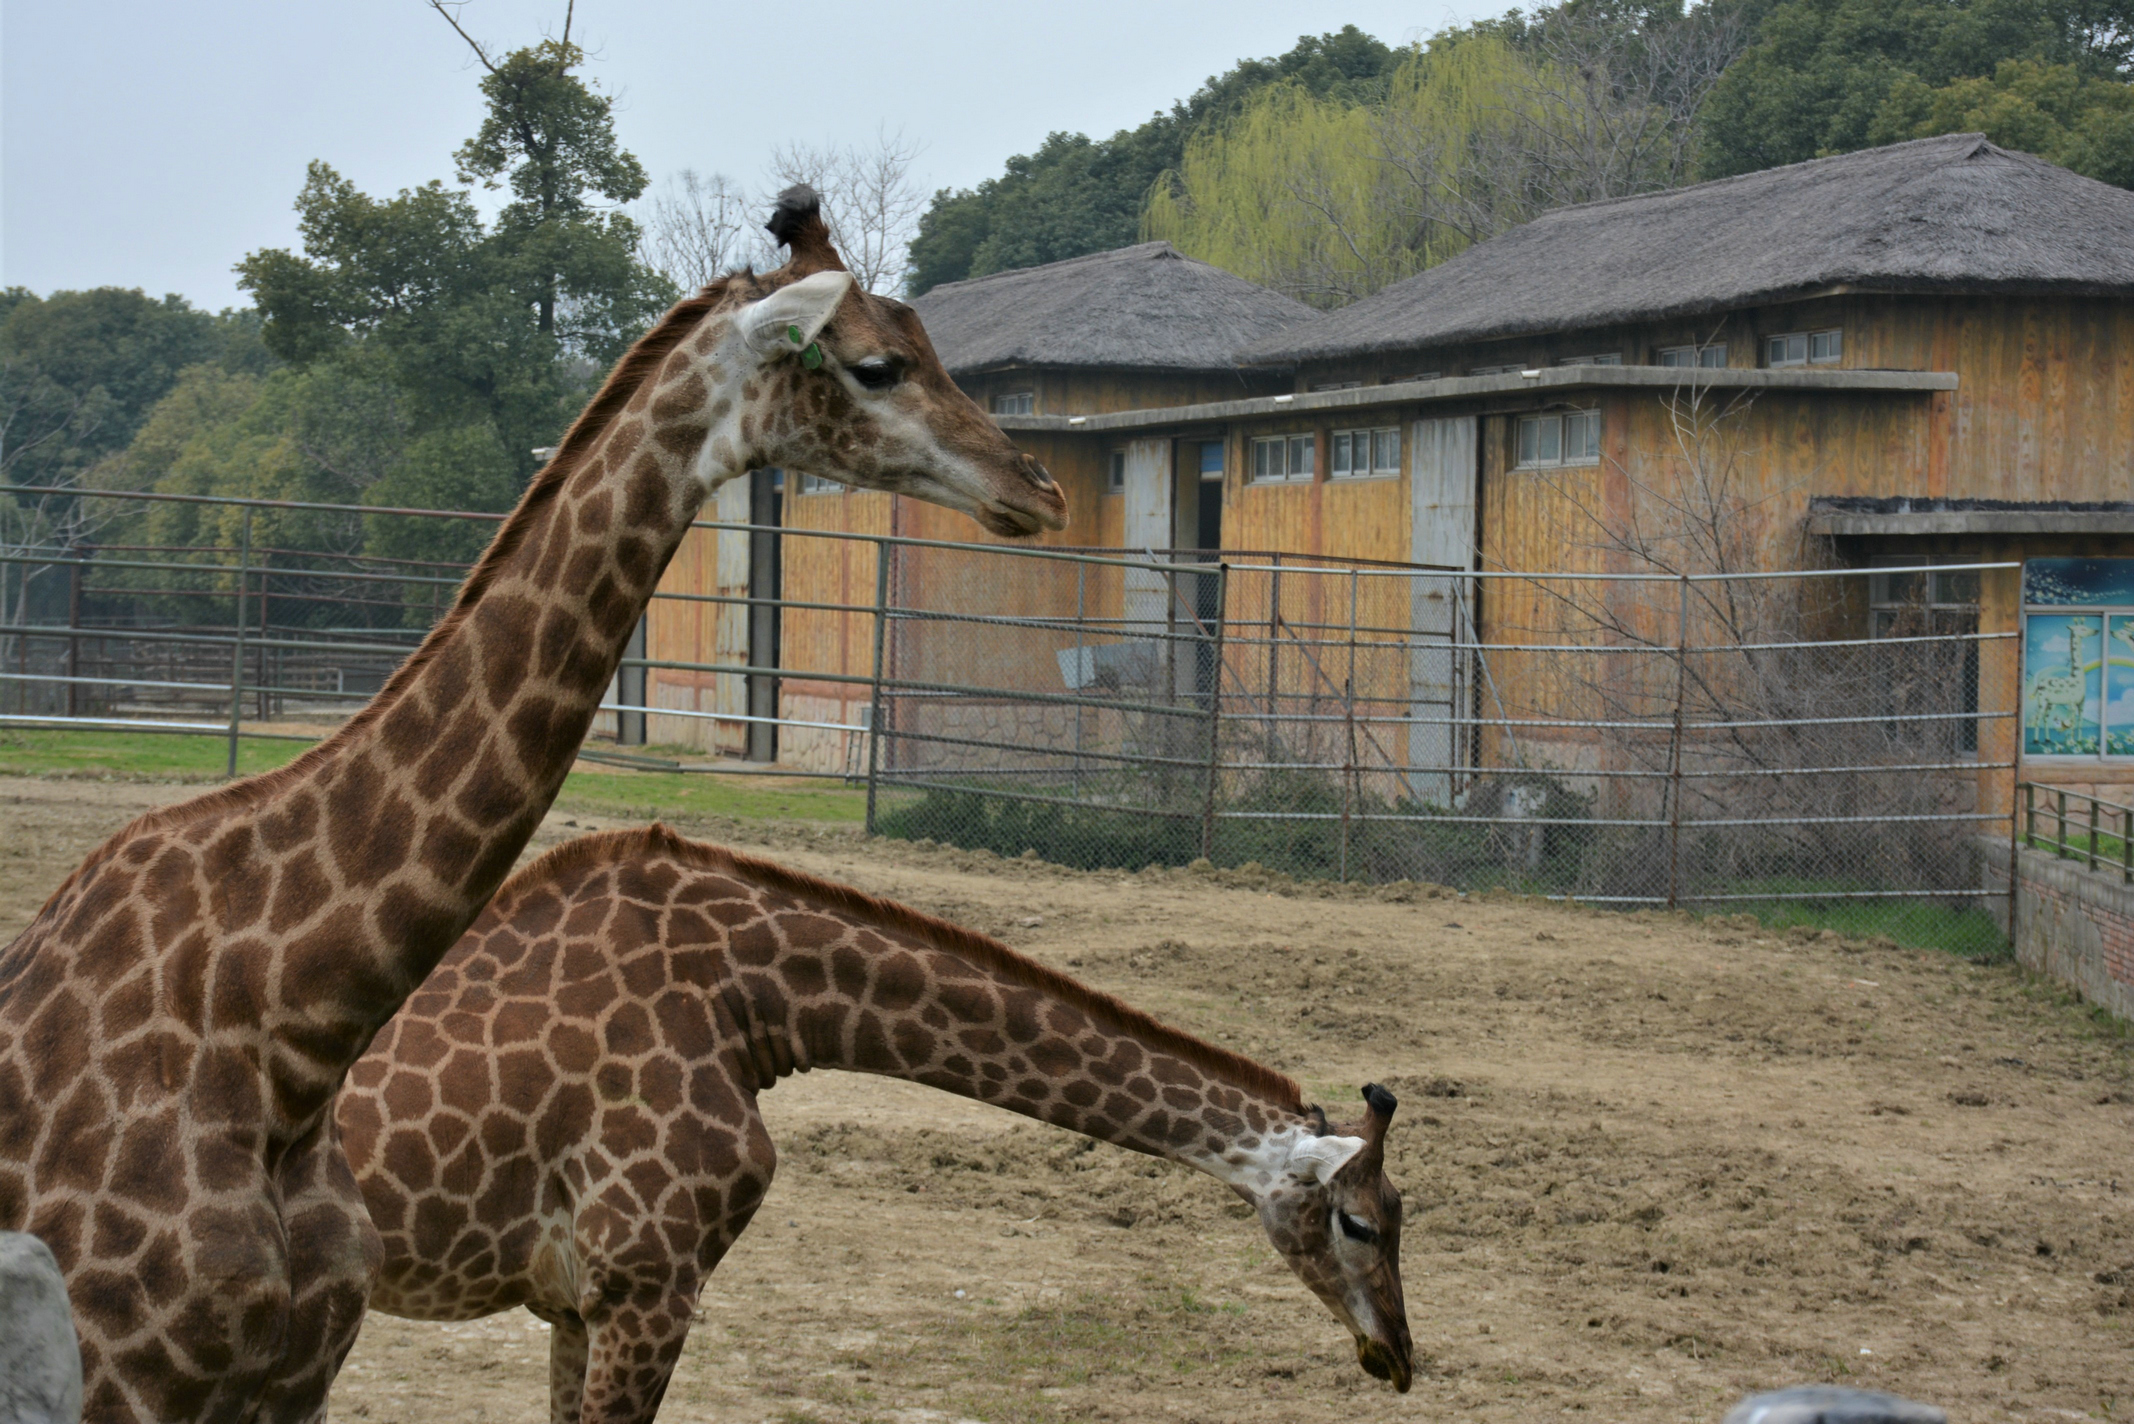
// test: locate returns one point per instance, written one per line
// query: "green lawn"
(633, 795)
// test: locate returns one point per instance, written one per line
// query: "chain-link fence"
(1795, 744)
(1802, 744)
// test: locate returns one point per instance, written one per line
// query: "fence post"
(74, 628)
(237, 653)
(882, 552)
(2093, 834)
(2126, 845)
(1081, 581)
(1348, 709)
(1215, 712)
(1674, 747)
(2059, 841)
(1274, 648)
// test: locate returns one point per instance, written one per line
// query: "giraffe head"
(846, 386)
(1336, 1220)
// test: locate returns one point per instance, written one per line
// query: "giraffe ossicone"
(565, 1117)
(176, 1019)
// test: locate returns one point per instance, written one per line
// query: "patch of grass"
(649, 795)
(134, 756)
(1966, 933)
(628, 795)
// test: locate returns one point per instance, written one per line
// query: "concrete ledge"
(2073, 924)
(1548, 378)
(1972, 521)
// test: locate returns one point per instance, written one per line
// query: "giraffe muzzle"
(1380, 1361)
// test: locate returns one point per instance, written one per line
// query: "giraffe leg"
(634, 1344)
(566, 1365)
(334, 1255)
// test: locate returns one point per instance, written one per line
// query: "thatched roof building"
(1953, 214)
(1147, 308)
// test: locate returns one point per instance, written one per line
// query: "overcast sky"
(153, 144)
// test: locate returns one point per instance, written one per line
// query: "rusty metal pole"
(237, 653)
(74, 629)
(1215, 713)
(1674, 749)
(882, 552)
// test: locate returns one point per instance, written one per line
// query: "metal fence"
(1794, 744)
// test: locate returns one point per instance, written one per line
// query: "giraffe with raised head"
(176, 1019)
(564, 1116)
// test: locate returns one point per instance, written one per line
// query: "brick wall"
(2072, 923)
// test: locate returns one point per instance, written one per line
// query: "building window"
(1418, 376)
(1115, 482)
(1015, 403)
(1606, 358)
(1365, 454)
(1919, 677)
(816, 484)
(1711, 355)
(1805, 348)
(2078, 658)
(1281, 457)
(1512, 370)
(1337, 386)
(1572, 438)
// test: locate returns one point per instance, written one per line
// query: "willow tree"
(1483, 130)
(1328, 201)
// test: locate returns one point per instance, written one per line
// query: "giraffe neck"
(373, 852)
(823, 976)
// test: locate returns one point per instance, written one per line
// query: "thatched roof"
(1952, 214)
(1147, 307)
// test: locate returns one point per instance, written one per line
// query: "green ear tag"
(812, 357)
(792, 334)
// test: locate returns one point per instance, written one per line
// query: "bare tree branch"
(449, 9)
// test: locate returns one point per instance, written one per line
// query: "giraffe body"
(564, 1116)
(176, 1019)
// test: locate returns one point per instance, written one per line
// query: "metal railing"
(1631, 739)
(2095, 842)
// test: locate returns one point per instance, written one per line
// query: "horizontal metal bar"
(129, 725)
(213, 640)
(1025, 749)
(726, 717)
(235, 502)
(892, 780)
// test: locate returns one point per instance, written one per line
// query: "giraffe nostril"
(1039, 475)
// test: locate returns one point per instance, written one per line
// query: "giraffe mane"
(607, 848)
(637, 365)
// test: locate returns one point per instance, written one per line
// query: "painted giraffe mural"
(175, 1021)
(564, 1115)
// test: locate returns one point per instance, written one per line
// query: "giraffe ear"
(790, 318)
(1316, 1159)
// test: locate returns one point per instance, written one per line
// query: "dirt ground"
(1651, 1164)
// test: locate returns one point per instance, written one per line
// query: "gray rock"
(1831, 1404)
(40, 1358)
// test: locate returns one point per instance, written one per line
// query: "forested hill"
(1077, 194)
(1347, 163)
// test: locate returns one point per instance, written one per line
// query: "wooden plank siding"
(2043, 410)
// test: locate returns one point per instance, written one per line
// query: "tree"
(1833, 76)
(1484, 129)
(79, 372)
(501, 326)
(1077, 195)
(550, 137)
(698, 229)
(868, 201)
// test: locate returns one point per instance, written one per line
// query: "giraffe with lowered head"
(564, 1116)
(176, 1019)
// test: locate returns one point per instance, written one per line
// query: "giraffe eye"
(878, 374)
(1355, 1230)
